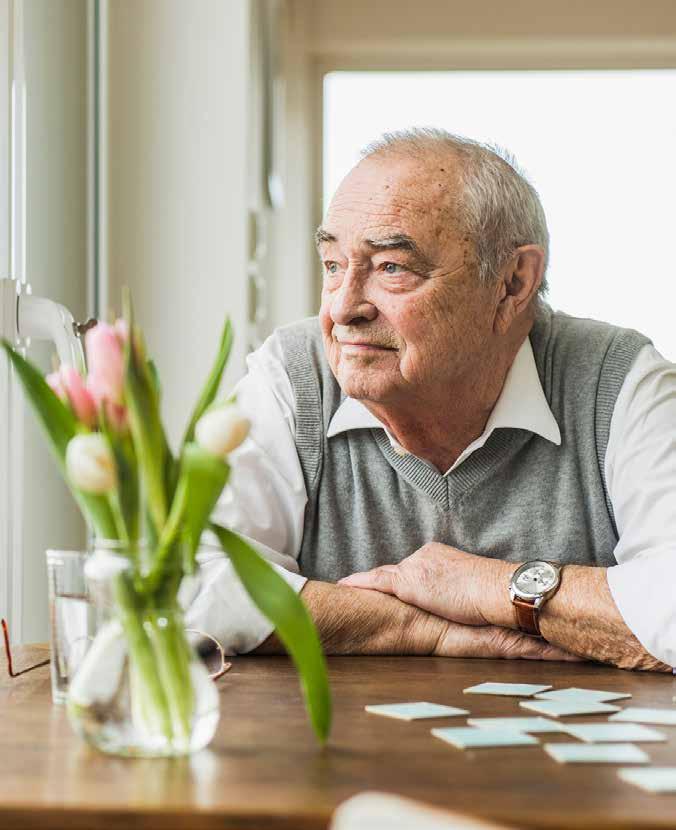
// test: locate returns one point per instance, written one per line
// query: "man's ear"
(518, 285)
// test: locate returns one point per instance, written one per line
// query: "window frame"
(308, 58)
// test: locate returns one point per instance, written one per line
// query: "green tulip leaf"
(128, 495)
(143, 407)
(293, 624)
(213, 381)
(205, 476)
(201, 480)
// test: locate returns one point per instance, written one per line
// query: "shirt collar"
(522, 405)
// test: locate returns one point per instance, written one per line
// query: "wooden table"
(265, 770)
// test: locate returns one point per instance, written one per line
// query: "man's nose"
(349, 302)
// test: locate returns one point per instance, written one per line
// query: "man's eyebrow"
(323, 236)
(401, 242)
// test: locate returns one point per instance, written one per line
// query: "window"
(599, 146)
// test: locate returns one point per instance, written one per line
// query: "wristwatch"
(531, 585)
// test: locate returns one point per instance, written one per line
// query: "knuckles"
(438, 552)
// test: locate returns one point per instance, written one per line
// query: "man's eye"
(390, 268)
(331, 267)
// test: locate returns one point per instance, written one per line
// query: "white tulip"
(98, 676)
(90, 463)
(221, 430)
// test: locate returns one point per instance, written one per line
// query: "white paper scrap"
(468, 737)
(561, 708)
(653, 779)
(520, 724)
(662, 717)
(507, 689)
(604, 733)
(415, 711)
(589, 694)
(597, 753)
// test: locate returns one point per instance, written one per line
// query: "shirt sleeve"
(640, 469)
(264, 502)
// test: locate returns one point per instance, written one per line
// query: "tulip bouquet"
(106, 434)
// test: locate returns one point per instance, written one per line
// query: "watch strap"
(527, 614)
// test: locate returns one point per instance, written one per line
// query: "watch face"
(536, 579)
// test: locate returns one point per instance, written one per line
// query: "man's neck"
(439, 426)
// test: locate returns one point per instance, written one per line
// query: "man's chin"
(374, 389)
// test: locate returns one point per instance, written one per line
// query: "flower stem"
(118, 518)
(173, 665)
(147, 686)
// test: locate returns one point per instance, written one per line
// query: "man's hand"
(353, 621)
(581, 618)
(491, 641)
(447, 582)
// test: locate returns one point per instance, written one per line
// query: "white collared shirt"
(521, 405)
(266, 498)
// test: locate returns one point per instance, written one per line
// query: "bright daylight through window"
(597, 145)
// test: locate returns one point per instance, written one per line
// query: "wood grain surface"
(265, 770)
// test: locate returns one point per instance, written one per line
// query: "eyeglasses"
(224, 667)
(8, 652)
(205, 652)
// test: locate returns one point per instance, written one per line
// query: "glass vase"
(141, 690)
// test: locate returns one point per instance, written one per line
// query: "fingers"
(495, 642)
(518, 646)
(379, 579)
(531, 648)
(556, 653)
(476, 641)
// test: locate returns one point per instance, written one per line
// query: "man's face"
(402, 312)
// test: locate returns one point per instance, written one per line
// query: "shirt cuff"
(224, 610)
(643, 591)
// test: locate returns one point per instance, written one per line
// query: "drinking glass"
(71, 617)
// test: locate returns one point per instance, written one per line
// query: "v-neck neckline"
(446, 489)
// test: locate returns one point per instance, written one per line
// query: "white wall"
(56, 259)
(177, 182)
(294, 267)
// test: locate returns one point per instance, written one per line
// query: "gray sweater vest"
(519, 497)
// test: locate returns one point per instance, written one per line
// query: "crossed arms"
(445, 602)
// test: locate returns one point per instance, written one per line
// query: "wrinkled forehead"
(393, 195)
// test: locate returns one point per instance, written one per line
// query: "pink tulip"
(105, 361)
(121, 329)
(56, 384)
(116, 416)
(80, 398)
(68, 384)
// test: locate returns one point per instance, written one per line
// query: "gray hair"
(499, 209)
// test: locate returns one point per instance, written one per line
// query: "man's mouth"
(361, 346)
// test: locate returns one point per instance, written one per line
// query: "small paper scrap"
(507, 689)
(415, 711)
(560, 708)
(604, 733)
(588, 694)
(467, 737)
(662, 717)
(597, 753)
(520, 724)
(654, 780)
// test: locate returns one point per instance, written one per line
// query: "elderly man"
(441, 463)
